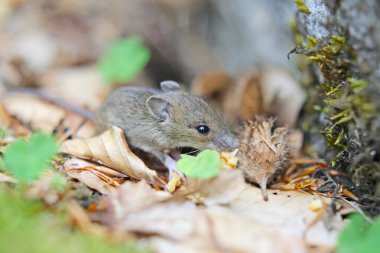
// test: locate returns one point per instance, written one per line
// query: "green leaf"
(124, 60)
(360, 236)
(40, 230)
(26, 159)
(205, 165)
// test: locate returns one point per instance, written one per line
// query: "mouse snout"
(226, 142)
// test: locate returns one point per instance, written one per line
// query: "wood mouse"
(157, 120)
(154, 120)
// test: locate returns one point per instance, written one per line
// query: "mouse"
(155, 120)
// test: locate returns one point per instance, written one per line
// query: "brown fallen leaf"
(133, 197)
(137, 208)
(32, 111)
(232, 233)
(81, 218)
(288, 213)
(244, 224)
(263, 152)
(244, 100)
(44, 188)
(111, 149)
(213, 86)
(81, 86)
(221, 190)
(217, 229)
(283, 96)
(92, 178)
(75, 163)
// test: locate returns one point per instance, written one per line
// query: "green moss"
(301, 6)
(27, 227)
(343, 98)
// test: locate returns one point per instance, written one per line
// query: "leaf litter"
(220, 213)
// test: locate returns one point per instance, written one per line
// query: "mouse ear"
(167, 86)
(158, 107)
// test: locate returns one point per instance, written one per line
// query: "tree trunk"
(342, 41)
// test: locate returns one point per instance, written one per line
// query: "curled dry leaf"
(263, 152)
(111, 149)
(92, 175)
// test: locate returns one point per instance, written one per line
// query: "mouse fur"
(156, 120)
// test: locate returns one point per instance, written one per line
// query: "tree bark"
(342, 41)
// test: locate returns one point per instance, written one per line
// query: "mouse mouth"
(183, 150)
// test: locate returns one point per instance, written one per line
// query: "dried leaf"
(213, 86)
(32, 111)
(78, 164)
(229, 159)
(263, 152)
(49, 188)
(174, 182)
(210, 84)
(221, 190)
(288, 213)
(244, 99)
(136, 207)
(172, 220)
(111, 149)
(92, 178)
(283, 96)
(82, 86)
(232, 233)
(134, 197)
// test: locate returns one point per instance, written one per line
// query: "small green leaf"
(360, 236)
(205, 165)
(26, 159)
(124, 60)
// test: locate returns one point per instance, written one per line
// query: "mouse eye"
(203, 129)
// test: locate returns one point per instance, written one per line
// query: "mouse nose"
(226, 142)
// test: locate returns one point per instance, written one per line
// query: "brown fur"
(127, 108)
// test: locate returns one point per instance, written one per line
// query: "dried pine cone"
(263, 153)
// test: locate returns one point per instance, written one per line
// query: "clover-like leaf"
(360, 236)
(205, 165)
(124, 60)
(25, 159)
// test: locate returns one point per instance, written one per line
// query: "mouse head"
(188, 121)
